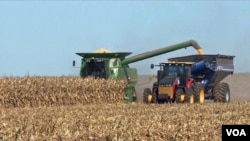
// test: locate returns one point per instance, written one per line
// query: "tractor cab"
(170, 76)
(179, 71)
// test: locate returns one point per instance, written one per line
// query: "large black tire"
(178, 96)
(222, 93)
(146, 93)
(154, 96)
(198, 91)
(189, 97)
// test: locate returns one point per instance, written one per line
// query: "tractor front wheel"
(222, 93)
(147, 95)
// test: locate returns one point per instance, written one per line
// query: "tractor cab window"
(174, 69)
(188, 71)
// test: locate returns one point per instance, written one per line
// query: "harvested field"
(121, 122)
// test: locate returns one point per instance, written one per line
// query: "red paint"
(174, 87)
(189, 82)
(129, 79)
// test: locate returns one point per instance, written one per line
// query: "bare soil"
(238, 83)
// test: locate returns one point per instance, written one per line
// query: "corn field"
(49, 91)
(67, 108)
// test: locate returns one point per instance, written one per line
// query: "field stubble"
(122, 122)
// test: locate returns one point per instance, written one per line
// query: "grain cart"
(115, 65)
(191, 79)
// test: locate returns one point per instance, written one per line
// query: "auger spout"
(163, 50)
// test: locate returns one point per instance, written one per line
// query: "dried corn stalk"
(48, 91)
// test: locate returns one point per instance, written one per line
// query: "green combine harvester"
(115, 65)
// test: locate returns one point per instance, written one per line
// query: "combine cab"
(191, 79)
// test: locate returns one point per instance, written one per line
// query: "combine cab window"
(96, 68)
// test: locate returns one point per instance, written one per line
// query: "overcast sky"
(41, 38)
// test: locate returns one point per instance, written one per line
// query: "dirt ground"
(238, 83)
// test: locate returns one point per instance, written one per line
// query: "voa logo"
(236, 132)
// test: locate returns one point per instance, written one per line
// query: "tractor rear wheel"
(199, 95)
(179, 96)
(147, 95)
(222, 93)
(189, 97)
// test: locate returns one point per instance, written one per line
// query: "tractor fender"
(180, 87)
(189, 82)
